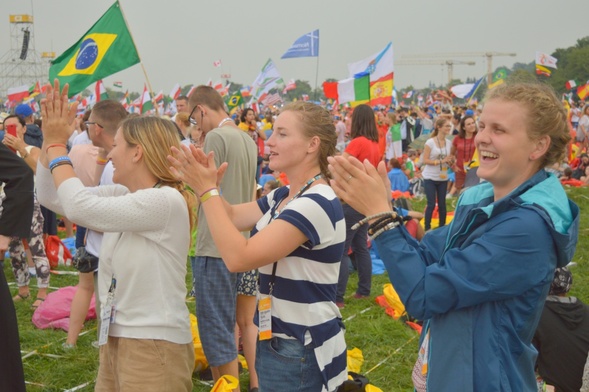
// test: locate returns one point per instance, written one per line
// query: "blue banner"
(305, 46)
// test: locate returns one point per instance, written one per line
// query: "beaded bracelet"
(61, 163)
(391, 225)
(379, 215)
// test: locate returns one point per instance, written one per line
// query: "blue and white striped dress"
(303, 299)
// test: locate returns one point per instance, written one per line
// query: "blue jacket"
(399, 181)
(481, 282)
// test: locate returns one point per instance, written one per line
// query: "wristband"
(101, 161)
(61, 163)
(205, 192)
(208, 194)
(55, 145)
(54, 163)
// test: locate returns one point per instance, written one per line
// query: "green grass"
(389, 347)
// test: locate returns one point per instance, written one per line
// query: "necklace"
(224, 121)
(299, 193)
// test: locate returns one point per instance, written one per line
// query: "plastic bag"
(226, 383)
(54, 312)
(200, 360)
(57, 253)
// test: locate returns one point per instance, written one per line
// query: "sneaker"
(360, 296)
(66, 346)
(95, 344)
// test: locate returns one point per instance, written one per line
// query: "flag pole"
(316, 75)
(155, 106)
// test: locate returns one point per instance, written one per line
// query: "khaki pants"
(145, 365)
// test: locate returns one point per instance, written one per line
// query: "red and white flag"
(191, 91)
(176, 90)
(291, 85)
(218, 85)
(217, 63)
(159, 96)
(17, 94)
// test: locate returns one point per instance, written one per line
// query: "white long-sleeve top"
(145, 246)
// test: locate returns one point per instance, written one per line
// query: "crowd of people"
(316, 185)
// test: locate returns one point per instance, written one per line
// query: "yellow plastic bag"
(394, 301)
(226, 383)
(355, 360)
(200, 361)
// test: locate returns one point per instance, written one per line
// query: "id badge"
(108, 313)
(106, 318)
(265, 317)
(443, 174)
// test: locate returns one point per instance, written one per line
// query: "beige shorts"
(145, 365)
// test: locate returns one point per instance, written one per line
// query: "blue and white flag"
(305, 46)
(465, 91)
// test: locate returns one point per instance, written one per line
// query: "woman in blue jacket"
(479, 284)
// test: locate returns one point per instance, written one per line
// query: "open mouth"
(488, 156)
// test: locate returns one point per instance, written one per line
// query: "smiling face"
(469, 126)
(288, 146)
(121, 155)
(508, 157)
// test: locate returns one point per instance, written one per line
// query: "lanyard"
(274, 214)
(464, 154)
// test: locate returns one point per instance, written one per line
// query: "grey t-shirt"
(237, 148)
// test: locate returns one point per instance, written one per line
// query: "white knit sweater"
(145, 246)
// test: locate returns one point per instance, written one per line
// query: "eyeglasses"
(92, 123)
(192, 121)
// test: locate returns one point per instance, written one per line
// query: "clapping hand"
(58, 114)
(196, 168)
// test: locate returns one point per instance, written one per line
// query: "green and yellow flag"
(498, 78)
(234, 100)
(105, 49)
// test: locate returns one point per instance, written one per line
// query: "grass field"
(389, 347)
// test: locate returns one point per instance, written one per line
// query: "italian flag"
(354, 90)
(100, 91)
(146, 104)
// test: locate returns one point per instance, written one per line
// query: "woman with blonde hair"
(298, 232)
(146, 219)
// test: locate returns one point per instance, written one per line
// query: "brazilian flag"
(498, 78)
(105, 49)
(235, 100)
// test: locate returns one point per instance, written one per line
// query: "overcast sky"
(178, 40)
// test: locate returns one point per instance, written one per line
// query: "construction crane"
(488, 55)
(449, 63)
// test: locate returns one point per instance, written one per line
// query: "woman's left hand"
(196, 168)
(58, 114)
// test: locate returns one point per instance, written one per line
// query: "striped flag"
(571, 84)
(146, 104)
(176, 90)
(217, 63)
(583, 91)
(159, 96)
(118, 84)
(245, 91)
(272, 99)
(100, 91)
